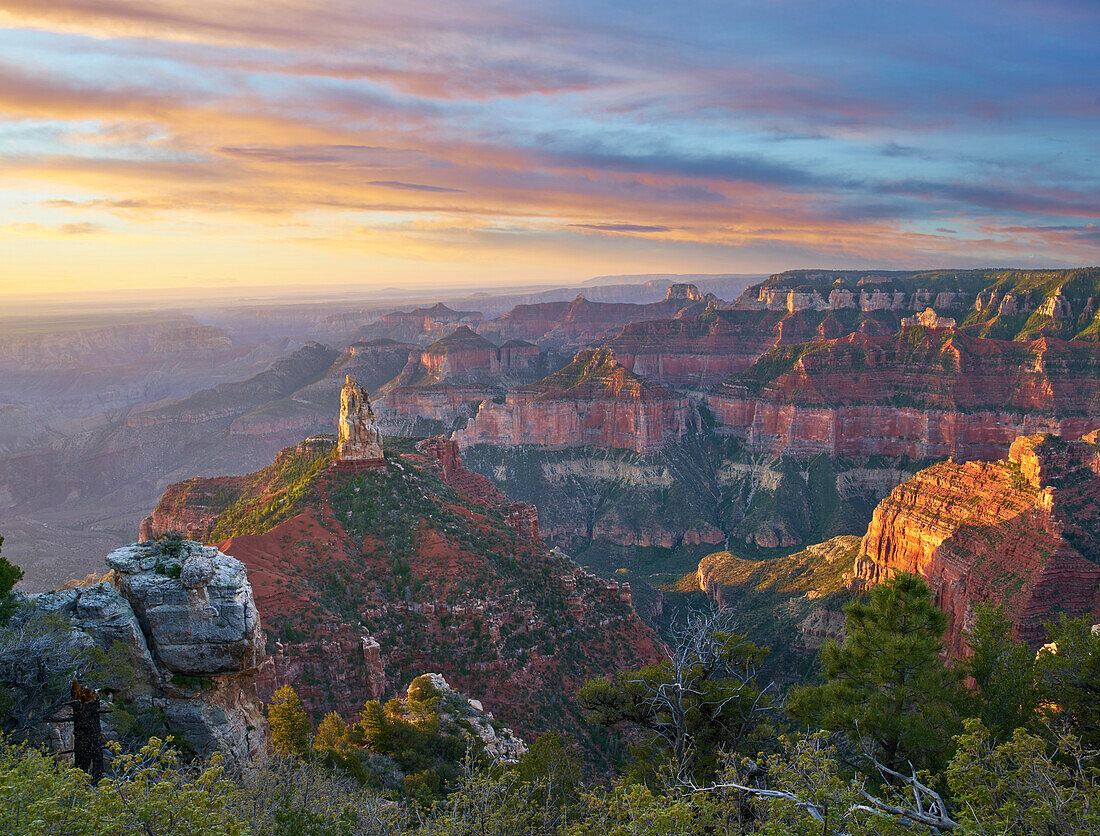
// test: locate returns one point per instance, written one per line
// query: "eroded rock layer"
(922, 393)
(592, 401)
(1021, 531)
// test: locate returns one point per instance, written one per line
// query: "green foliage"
(1024, 785)
(144, 793)
(408, 735)
(700, 699)
(290, 727)
(169, 545)
(10, 575)
(422, 695)
(809, 769)
(485, 802)
(774, 364)
(887, 684)
(289, 797)
(1069, 677)
(552, 767)
(277, 493)
(1005, 697)
(636, 810)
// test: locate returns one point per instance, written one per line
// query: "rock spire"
(360, 439)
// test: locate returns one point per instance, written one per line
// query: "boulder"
(186, 615)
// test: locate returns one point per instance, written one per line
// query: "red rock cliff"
(1023, 532)
(920, 393)
(592, 401)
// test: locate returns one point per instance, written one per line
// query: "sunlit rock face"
(1020, 532)
(359, 438)
(592, 401)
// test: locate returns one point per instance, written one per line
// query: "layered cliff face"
(1002, 304)
(582, 320)
(368, 579)
(187, 618)
(461, 355)
(696, 350)
(921, 393)
(420, 325)
(1020, 531)
(445, 381)
(592, 401)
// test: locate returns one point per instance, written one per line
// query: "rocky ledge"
(186, 616)
(466, 716)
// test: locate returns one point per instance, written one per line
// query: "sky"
(166, 144)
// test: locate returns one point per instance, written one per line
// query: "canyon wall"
(1019, 531)
(593, 401)
(922, 393)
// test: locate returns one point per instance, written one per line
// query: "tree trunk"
(87, 731)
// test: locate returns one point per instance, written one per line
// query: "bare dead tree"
(913, 802)
(40, 656)
(707, 685)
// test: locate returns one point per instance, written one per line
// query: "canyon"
(367, 578)
(771, 380)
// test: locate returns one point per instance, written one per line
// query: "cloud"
(622, 227)
(716, 131)
(79, 229)
(1024, 200)
(412, 187)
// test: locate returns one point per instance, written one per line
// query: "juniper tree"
(701, 698)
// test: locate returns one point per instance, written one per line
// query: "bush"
(145, 793)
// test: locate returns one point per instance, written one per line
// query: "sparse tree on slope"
(290, 727)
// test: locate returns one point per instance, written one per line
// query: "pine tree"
(332, 734)
(10, 575)
(1005, 696)
(290, 727)
(374, 726)
(887, 683)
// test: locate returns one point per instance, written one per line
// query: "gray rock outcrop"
(459, 711)
(187, 618)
